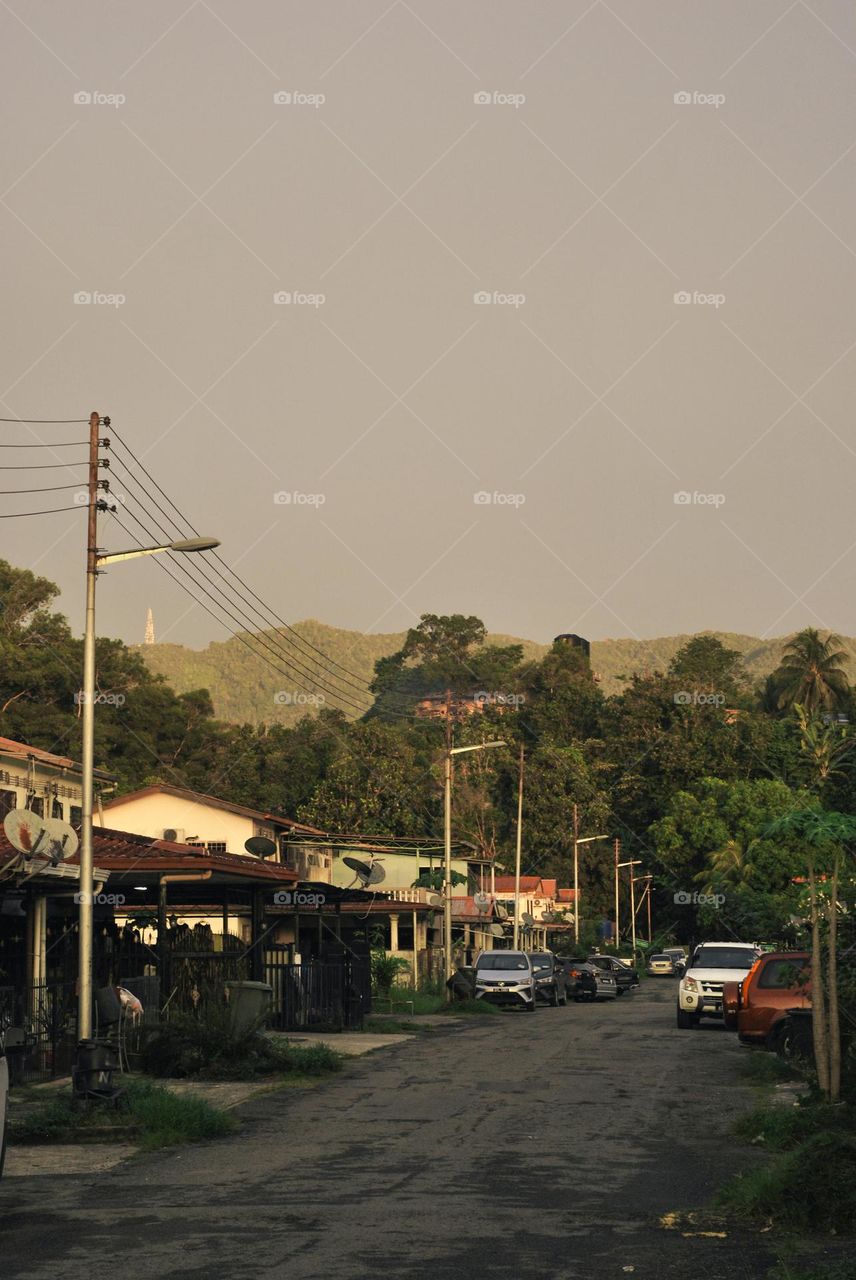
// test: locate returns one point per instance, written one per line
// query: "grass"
(766, 1068)
(808, 1185)
(478, 1008)
(842, 1269)
(393, 1026)
(155, 1118)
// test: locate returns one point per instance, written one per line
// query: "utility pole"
(518, 853)
(617, 851)
(447, 848)
(85, 885)
(632, 913)
(650, 939)
(576, 875)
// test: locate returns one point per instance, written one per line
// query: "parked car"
(624, 973)
(711, 965)
(661, 966)
(679, 956)
(551, 983)
(505, 978)
(757, 1007)
(581, 978)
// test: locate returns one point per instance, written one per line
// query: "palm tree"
(812, 672)
(731, 865)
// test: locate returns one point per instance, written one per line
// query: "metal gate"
(319, 994)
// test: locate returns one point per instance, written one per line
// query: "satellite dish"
(482, 903)
(528, 919)
(434, 900)
(366, 872)
(37, 837)
(261, 846)
(497, 931)
(500, 911)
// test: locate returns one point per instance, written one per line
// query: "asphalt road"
(544, 1145)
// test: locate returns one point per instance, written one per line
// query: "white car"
(712, 965)
(505, 978)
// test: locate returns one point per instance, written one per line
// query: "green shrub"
(209, 1048)
(809, 1188)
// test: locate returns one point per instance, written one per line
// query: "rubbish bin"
(249, 1002)
(92, 1075)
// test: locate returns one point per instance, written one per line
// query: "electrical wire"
(53, 511)
(60, 444)
(51, 488)
(44, 466)
(362, 684)
(181, 583)
(266, 642)
(48, 422)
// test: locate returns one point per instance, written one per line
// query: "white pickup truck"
(711, 965)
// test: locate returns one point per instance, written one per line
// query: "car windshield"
(659, 959)
(724, 958)
(539, 963)
(502, 960)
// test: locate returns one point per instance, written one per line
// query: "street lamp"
(578, 840)
(93, 564)
(447, 831)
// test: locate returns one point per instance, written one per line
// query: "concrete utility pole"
(617, 852)
(576, 875)
(84, 1017)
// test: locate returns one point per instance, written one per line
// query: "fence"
(42, 1029)
(318, 994)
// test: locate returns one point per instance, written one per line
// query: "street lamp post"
(578, 840)
(94, 562)
(447, 832)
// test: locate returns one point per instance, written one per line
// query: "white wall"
(151, 815)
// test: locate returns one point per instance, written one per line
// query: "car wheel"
(532, 1007)
(620, 991)
(578, 997)
(687, 1020)
(554, 999)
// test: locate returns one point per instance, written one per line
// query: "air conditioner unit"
(175, 834)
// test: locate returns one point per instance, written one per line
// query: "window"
(56, 808)
(784, 974)
(37, 805)
(216, 846)
(75, 815)
(8, 801)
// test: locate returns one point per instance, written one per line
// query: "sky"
(539, 311)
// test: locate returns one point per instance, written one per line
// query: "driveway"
(545, 1146)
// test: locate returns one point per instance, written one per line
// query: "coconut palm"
(731, 865)
(812, 672)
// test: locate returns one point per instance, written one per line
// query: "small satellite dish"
(500, 911)
(497, 931)
(434, 900)
(261, 846)
(366, 872)
(528, 919)
(482, 903)
(37, 837)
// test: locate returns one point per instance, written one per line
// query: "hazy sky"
(543, 155)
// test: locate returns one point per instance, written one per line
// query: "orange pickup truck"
(756, 1006)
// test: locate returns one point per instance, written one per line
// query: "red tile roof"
(25, 751)
(124, 852)
(528, 884)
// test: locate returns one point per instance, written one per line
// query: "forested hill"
(245, 688)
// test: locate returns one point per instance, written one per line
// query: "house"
(43, 782)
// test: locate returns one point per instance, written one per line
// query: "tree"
(826, 748)
(826, 837)
(705, 663)
(812, 672)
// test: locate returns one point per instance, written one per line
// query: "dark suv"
(581, 978)
(551, 984)
(626, 977)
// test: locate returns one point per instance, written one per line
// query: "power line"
(362, 683)
(238, 636)
(288, 661)
(43, 466)
(51, 488)
(48, 422)
(60, 444)
(312, 676)
(53, 511)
